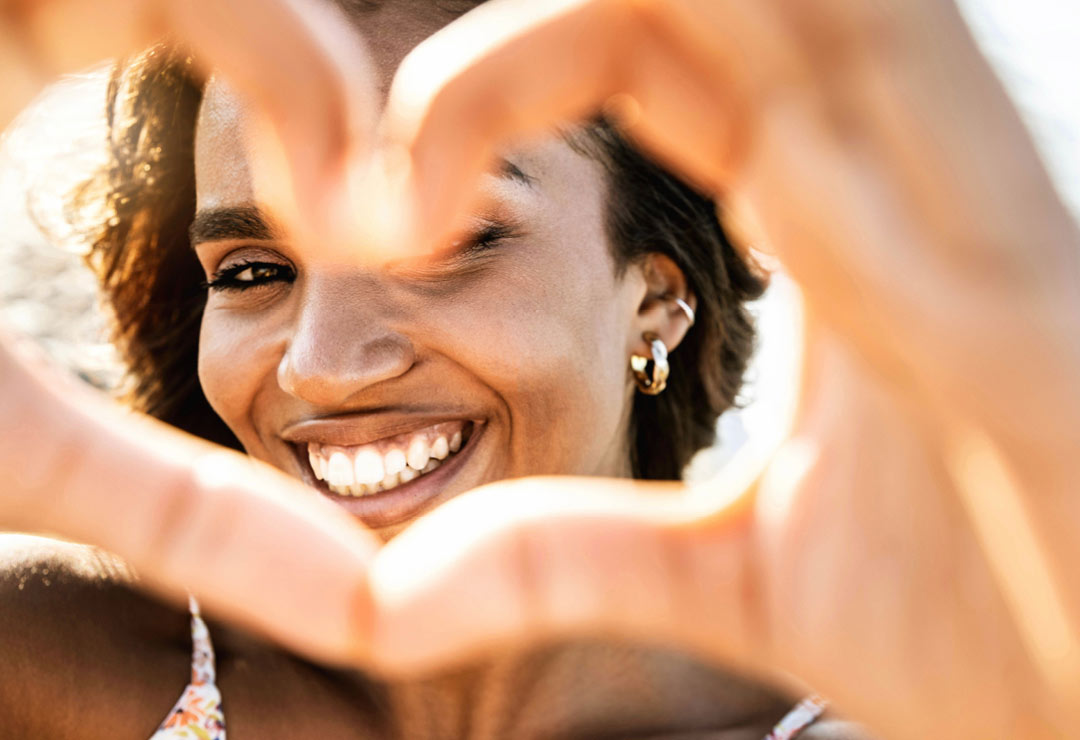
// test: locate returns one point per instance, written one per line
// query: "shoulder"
(68, 589)
(46, 584)
(75, 634)
(29, 561)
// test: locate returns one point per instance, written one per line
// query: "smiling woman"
(516, 334)
(361, 378)
(392, 388)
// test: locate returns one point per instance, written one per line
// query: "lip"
(386, 508)
(360, 429)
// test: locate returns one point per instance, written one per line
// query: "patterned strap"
(197, 714)
(798, 719)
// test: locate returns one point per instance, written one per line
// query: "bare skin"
(528, 341)
(928, 466)
(919, 168)
(87, 655)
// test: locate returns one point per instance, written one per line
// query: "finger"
(43, 39)
(507, 69)
(304, 67)
(680, 115)
(539, 559)
(62, 36)
(21, 83)
(253, 546)
(299, 61)
(675, 72)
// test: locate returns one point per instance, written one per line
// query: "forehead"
(235, 168)
(392, 28)
(225, 152)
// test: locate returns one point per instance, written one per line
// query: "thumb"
(545, 558)
(252, 545)
(312, 80)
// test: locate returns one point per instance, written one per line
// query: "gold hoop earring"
(651, 381)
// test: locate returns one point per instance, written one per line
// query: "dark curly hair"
(153, 283)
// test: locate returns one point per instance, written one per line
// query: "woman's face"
(393, 388)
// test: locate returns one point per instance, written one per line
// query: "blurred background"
(49, 298)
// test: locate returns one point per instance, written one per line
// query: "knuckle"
(722, 580)
(169, 529)
(195, 512)
(528, 587)
(843, 32)
(480, 104)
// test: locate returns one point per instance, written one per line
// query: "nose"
(342, 345)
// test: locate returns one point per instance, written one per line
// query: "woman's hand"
(878, 156)
(852, 566)
(868, 143)
(253, 544)
(298, 61)
(909, 550)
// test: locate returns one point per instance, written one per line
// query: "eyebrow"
(251, 222)
(238, 222)
(511, 171)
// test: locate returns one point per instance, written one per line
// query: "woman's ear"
(667, 309)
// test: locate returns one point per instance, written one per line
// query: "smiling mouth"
(387, 464)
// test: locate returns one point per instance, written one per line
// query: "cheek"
(548, 336)
(235, 357)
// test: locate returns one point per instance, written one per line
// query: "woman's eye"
(487, 237)
(249, 275)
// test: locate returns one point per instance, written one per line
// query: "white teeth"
(339, 471)
(368, 467)
(418, 453)
(316, 463)
(395, 462)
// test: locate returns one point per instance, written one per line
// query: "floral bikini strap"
(197, 714)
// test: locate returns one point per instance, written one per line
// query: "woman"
(870, 142)
(392, 389)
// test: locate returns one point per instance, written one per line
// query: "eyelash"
(229, 278)
(488, 237)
